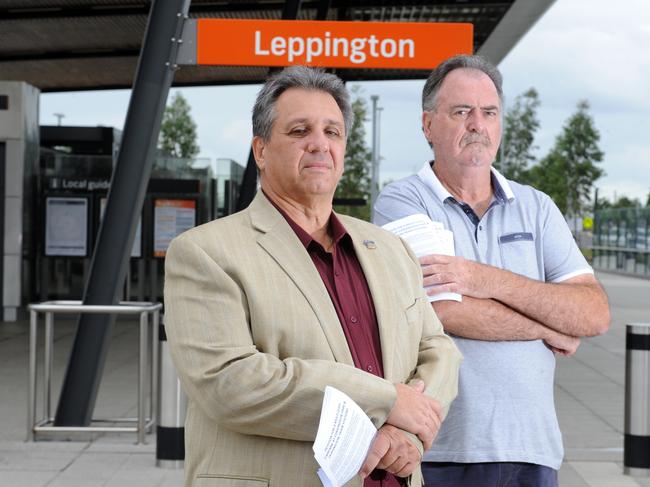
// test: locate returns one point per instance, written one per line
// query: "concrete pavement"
(589, 397)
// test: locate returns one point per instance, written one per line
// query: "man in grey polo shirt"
(527, 291)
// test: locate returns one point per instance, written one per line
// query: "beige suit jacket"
(256, 339)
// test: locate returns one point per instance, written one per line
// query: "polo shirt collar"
(502, 191)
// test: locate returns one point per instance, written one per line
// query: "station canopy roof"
(62, 45)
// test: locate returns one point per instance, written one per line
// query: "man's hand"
(457, 275)
(416, 412)
(391, 451)
(561, 344)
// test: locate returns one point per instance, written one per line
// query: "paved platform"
(589, 396)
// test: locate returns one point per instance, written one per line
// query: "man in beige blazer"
(256, 317)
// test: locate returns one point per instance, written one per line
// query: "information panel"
(66, 226)
(136, 249)
(171, 217)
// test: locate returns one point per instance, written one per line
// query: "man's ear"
(427, 119)
(259, 145)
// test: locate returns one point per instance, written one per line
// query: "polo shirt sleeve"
(397, 200)
(562, 257)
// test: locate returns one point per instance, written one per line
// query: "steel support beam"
(154, 76)
(249, 182)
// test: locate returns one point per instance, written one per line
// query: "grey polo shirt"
(505, 410)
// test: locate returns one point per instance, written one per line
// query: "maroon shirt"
(348, 289)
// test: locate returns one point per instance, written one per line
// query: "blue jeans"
(498, 474)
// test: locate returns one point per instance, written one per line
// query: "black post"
(249, 182)
(153, 79)
(3, 170)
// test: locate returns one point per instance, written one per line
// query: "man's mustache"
(473, 137)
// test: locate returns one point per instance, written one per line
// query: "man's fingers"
(442, 288)
(397, 464)
(379, 447)
(418, 385)
(437, 408)
(433, 259)
(438, 278)
(407, 469)
(434, 269)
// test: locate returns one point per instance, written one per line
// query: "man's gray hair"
(302, 77)
(437, 76)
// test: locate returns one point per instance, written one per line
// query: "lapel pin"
(370, 244)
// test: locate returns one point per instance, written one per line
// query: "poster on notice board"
(136, 249)
(66, 226)
(171, 217)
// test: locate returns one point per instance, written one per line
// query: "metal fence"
(621, 240)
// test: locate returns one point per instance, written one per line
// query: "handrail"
(619, 249)
(49, 309)
(69, 306)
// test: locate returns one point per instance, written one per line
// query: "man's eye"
(491, 113)
(461, 113)
(333, 133)
(298, 131)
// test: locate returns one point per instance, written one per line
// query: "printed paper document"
(343, 440)
(426, 237)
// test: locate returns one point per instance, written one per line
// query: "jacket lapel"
(374, 264)
(279, 240)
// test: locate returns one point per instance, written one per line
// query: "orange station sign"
(388, 45)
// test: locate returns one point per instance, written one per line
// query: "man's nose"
(476, 122)
(317, 142)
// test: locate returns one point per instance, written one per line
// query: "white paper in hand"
(344, 436)
(426, 237)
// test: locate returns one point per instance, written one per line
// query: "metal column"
(636, 457)
(249, 181)
(111, 255)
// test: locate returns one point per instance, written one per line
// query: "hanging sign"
(388, 45)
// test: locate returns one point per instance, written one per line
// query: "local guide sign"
(388, 45)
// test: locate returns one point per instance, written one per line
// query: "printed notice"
(426, 237)
(137, 241)
(344, 436)
(171, 218)
(66, 227)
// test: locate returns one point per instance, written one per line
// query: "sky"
(595, 50)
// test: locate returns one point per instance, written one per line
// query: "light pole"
(59, 116)
(374, 174)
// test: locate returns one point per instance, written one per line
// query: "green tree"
(622, 202)
(355, 182)
(647, 201)
(569, 171)
(519, 127)
(625, 202)
(178, 130)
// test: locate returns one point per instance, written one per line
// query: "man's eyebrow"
(331, 121)
(296, 120)
(465, 105)
(328, 121)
